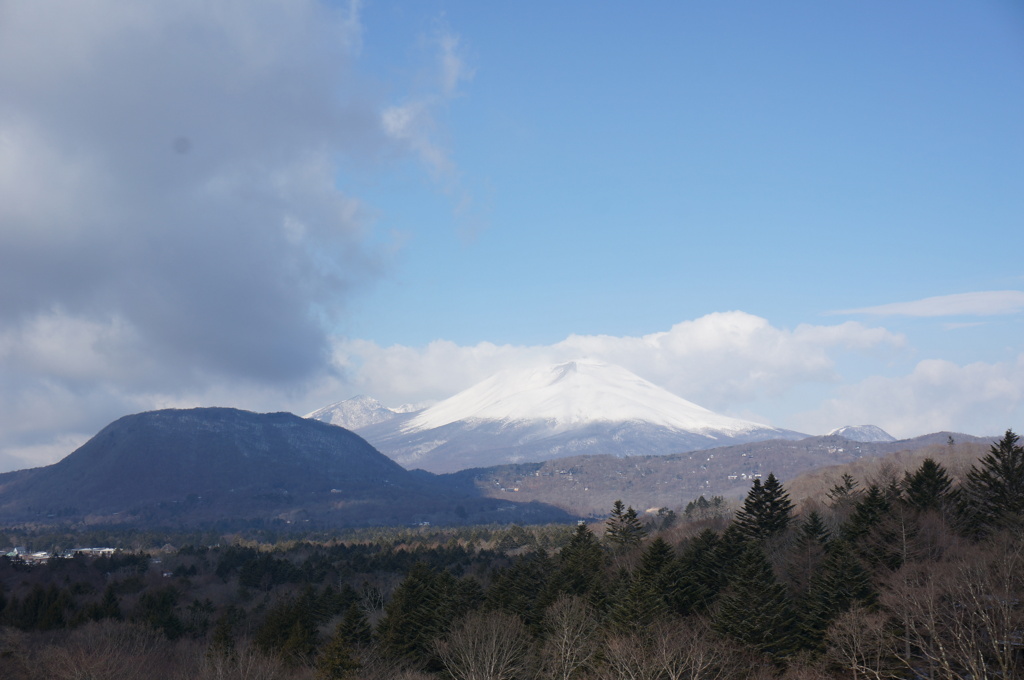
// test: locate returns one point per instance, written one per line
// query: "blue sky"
(805, 213)
(780, 158)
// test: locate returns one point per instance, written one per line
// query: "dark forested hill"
(215, 464)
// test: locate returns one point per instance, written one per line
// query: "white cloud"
(172, 231)
(720, 361)
(979, 399)
(987, 303)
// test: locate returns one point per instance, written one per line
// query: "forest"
(915, 574)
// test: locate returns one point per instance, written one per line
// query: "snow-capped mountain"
(354, 413)
(574, 408)
(863, 433)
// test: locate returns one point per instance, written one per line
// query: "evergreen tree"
(518, 588)
(354, 627)
(993, 494)
(623, 528)
(222, 640)
(157, 609)
(755, 608)
(702, 508)
(336, 661)
(929, 487)
(420, 611)
(655, 563)
(869, 511)
(766, 510)
(579, 570)
(338, 658)
(108, 607)
(880, 531)
(813, 529)
(699, 574)
(840, 583)
(649, 593)
(843, 494)
(614, 521)
(289, 630)
(807, 551)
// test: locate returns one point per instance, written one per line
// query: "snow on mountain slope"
(354, 413)
(863, 433)
(572, 395)
(575, 408)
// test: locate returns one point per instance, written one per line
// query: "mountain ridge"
(539, 413)
(191, 466)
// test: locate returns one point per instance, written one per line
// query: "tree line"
(911, 576)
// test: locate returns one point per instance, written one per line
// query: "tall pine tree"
(766, 510)
(755, 608)
(623, 529)
(928, 487)
(419, 612)
(700, 574)
(839, 583)
(992, 496)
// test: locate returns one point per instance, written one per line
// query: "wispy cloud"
(987, 303)
(413, 122)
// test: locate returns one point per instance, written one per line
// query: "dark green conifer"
(655, 562)
(766, 510)
(518, 588)
(355, 627)
(579, 570)
(222, 640)
(107, 608)
(339, 657)
(992, 496)
(755, 608)
(869, 511)
(623, 528)
(807, 552)
(844, 493)
(880, 531)
(337, 660)
(929, 487)
(648, 593)
(813, 529)
(419, 612)
(840, 583)
(699, 574)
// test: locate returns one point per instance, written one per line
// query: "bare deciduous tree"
(860, 642)
(685, 649)
(105, 650)
(962, 620)
(486, 646)
(247, 663)
(571, 638)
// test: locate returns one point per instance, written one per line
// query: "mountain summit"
(575, 394)
(573, 408)
(863, 433)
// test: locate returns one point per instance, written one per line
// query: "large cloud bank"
(170, 220)
(812, 378)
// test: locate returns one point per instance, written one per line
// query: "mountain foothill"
(542, 444)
